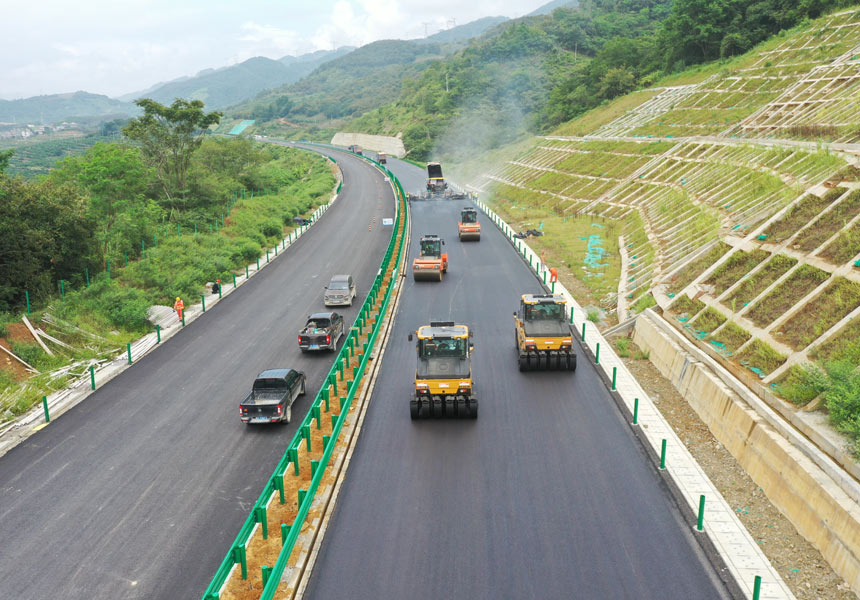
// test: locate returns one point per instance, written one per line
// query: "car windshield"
(338, 285)
(470, 217)
(445, 347)
(544, 312)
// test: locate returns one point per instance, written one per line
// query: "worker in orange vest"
(553, 274)
(178, 306)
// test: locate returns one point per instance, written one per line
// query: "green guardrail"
(236, 554)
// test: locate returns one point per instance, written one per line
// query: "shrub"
(249, 250)
(642, 355)
(622, 345)
(593, 315)
(272, 228)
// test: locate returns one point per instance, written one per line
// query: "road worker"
(179, 306)
(553, 274)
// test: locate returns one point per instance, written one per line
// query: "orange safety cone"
(368, 227)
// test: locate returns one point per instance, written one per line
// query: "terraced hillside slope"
(717, 199)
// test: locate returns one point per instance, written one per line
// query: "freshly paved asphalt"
(545, 495)
(139, 491)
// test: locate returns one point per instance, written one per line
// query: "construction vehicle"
(543, 334)
(356, 149)
(435, 182)
(432, 263)
(382, 158)
(468, 228)
(443, 377)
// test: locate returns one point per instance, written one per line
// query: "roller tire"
(413, 409)
(523, 362)
(438, 409)
(450, 408)
(552, 362)
(572, 360)
(462, 408)
(473, 408)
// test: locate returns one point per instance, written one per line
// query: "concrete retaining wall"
(819, 508)
(378, 143)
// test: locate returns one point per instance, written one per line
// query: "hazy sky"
(121, 46)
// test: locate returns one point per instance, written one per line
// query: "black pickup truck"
(321, 332)
(271, 399)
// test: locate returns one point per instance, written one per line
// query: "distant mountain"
(220, 88)
(551, 6)
(464, 32)
(63, 107)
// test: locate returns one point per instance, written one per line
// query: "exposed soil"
(801, 566)
(15, 332)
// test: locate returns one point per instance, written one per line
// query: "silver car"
(340, 291)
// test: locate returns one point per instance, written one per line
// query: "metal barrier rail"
(236, 554)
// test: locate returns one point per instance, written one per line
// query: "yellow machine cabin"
(443, 375)
(543, 333)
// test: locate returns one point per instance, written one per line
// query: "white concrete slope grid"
(136, 492)
(546, 495)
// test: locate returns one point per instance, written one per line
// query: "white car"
(340, 291)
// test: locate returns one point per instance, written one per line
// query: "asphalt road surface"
(139, 491)
(545, 495)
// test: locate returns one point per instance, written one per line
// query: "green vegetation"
(732, 336)
(37, 156)
(843, 346)
(55, 108)
(644, 302)
(708, 320)
(830, 222)
(760, 356)
(798, 215)
(685, 305)
(689, 273)
(835, 302)
(738, 264)
(754, 285)
(787, 294)
(622, 347)
(843, 248)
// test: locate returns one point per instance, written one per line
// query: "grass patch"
(642, 354)
(686, 275)
(732, 336)
(837, 300)
(843, 248)
(775, 268)
(602, 115)
(787, 294)
(644, 302)
(800, 384)
(684, 305)
(844, 345)
(761, 358)
(738, 264)
(830, 222)
(809, 207)
(622, 347)
(593, 315)
(708, 320)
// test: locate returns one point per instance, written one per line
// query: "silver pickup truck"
(272, 396)
(321, 332)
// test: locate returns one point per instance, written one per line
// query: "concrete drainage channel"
(275, 546)
(736, 557)
(98, 374)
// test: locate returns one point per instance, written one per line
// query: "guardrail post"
(263, 521)
(203, 301)
(701, 521)
(267, 572)
(635, 411)
(128, 348)
(219, 290)
(285, 531)
(326, 440)
(293, 453)
(92, 377)
(183, 318)
(614, 374)
(158, 334)
(597, 354)
(239, 556)
(342, 402)
(302, 494)
(306, 433)
(258, 263)
(27, 297)
(757, 587)
(45, 406)
(267, 255)
(316, 413)
(315, 465)
(583, 328)
(234, 281)
(246, 272)
(279, 485)
(663, 455)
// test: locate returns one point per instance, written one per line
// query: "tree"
(5, 157)
(168, 136)
(617, 82)
(115, 178)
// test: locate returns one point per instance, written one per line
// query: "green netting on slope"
(241, 127)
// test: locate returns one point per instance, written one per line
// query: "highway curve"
(139, 491)
(546, 495)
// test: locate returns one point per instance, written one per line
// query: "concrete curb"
(63, 400)
(736, 557)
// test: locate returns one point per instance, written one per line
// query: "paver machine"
(468, 228)
(432, 263)
(543, 334)
(435, 182)
(443, 376)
